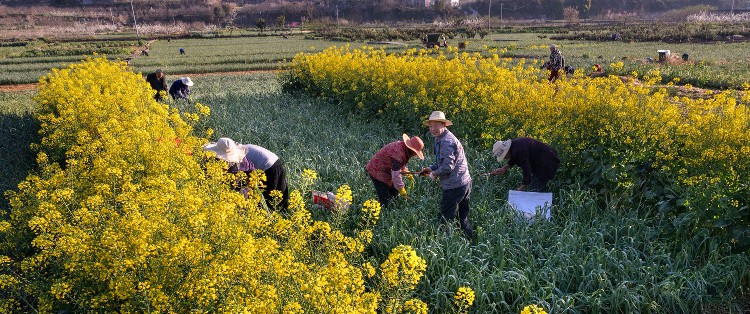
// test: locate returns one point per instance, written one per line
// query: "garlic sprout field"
(113, 206)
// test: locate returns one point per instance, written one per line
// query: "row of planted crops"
(126, 212)
(688, 158)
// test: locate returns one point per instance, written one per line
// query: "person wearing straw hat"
(538, 161)
(388, 164)
(249, 157)
(453, 171)
(158, 82)
(180, 89)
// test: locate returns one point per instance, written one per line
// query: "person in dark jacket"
(538, 161)
(158, 82)
(180, 89)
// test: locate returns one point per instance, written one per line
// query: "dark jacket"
(534, 158)
(157, 84)
(179, 90)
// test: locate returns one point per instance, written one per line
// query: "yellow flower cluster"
(411, 306)
(343, 197)
(533, 309)
(403, 268)
(371, 212)
(613, 135)
(127, 213)
(464, 298)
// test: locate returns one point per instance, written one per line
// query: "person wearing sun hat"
(248, 157)
(452, 169)
(388, 164)
(180, 89)
(538, 161)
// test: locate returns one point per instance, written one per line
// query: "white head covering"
(500, 149)
(186, 81)
(226, 149)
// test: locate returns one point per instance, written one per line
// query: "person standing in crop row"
(453, 171)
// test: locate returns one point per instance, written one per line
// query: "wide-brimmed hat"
(438, 116)
(226, 149)
(186, 81)
(415, 144)
(500, 149)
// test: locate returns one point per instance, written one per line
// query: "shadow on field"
(17, 132)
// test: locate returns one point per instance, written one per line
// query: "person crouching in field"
(386, 166)
(247, 158)
(453, 171)
(158, 82)
(538, 161)
(180, 89)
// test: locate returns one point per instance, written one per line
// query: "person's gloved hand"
(432, 176)
(402, 191)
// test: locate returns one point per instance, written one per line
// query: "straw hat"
(415, 144)
(186, 81)
(438, 116)
(226, 149)
(500, 148)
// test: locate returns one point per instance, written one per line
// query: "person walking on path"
(453, 171)
(538, 161)
(158, 82)
(386, 166)
(249, 157)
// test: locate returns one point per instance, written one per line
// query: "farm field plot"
(720, 65)
(594, 255)
(228, 54)
(591, 259)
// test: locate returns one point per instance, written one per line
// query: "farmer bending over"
(180, 89)
(249, 157)
(538, 161)
(158, 82)
(386, 167)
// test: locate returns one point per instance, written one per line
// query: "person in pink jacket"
(386, 167)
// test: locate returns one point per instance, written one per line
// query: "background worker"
(386, 166)
(180, 89)
(538, 161)
(597, 70)
(249, 157)
(556, 63)
(158, 82)
(453, 171)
